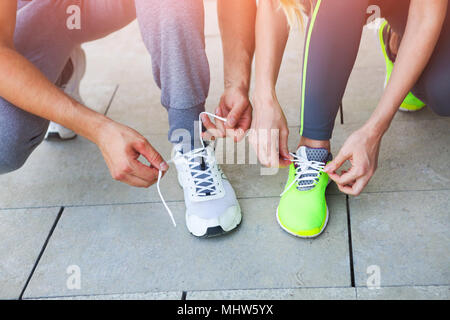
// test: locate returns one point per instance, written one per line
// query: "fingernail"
(164, 166)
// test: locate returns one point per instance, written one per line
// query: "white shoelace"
(195, 154)
(306, 170)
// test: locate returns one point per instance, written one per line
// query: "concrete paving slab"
(276, 294)
(405, 234)
(130, 296)
(135, 248)
(23, 233)
(405, 293)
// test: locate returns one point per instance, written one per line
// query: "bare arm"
(26, 87)
(22, 84)
(425, 20)
(272, 33)
(237, 28)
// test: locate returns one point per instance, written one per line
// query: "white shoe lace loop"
(305, 171)
(201, 190)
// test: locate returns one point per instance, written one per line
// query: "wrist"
(98, 128)
(374, 129)
(263, 96)
(242, 84)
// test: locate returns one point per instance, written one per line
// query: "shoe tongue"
(313, 154)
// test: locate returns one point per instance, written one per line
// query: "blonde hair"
(294, 10)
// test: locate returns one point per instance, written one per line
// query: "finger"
(211, 134)
(235, 114)
(239, 134)
(262, 147)
(135, 181)
(152, 156)
(144, 172)
(245, 122)
(356, 188)
(285, 156)
(219, 123)
(206, 121)
(337, 162)
(348, 177)
(274, 153)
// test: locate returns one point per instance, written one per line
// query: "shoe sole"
(411, 110)
(303, 237)
(217, 231)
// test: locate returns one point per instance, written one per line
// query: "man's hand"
(361, 149)
(269, 134)
(236, 108)
(121, 147)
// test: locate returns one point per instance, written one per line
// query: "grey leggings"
(172, 30)
(334, 36)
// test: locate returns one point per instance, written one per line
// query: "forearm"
(422, 32)
(272, 32)
(27, 88)
(237, 28)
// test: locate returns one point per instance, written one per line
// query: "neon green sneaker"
(411, 102)
(303, 210)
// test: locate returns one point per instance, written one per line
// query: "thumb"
(336, 163)
(235, 114)
(152, 156)
(284, 149)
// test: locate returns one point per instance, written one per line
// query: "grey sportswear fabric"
(172, 30)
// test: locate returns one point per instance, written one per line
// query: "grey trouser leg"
(180, 65)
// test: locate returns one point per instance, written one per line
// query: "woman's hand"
(361, 149)
(269, 133)
(236, 108)
(121, 147)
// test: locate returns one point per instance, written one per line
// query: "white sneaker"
(211, 205)
(71, 88)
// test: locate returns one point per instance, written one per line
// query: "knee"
(11, 160)
(14, 152)
(438, 101)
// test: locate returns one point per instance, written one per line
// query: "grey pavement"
(63, 216)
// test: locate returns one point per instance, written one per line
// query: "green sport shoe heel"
(411, 102)
(303, 210)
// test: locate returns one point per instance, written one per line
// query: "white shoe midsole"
(227, 221)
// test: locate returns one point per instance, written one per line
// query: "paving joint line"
(350, 243)
(41, 253)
